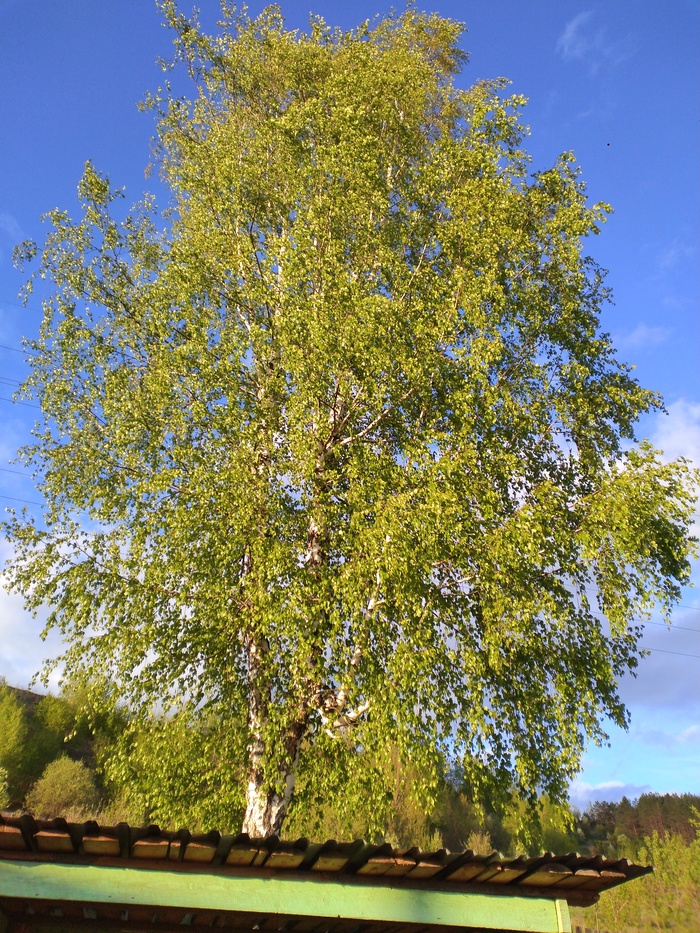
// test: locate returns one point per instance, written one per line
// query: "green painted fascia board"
(279, 895)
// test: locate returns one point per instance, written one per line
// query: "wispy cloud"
(676, 253)
(678, 431)
(581, 793)
(643, 337)
(692, 734)
(665, 736)
(667, 679)
(6, 5)
(10, 235)
(572, 43)
(9, 227)
(583, 41)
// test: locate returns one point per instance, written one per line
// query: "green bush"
(4, 789)
(669, 899)
(13, 736)
(66, 788)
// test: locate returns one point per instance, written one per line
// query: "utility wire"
(3, 398)
(16, 472)
(15, 499)
(680, 654)
(16, 304)
(673, 626)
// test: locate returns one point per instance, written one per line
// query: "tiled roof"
(577, 879)
(60, 877)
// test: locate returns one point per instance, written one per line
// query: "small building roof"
(57, 876)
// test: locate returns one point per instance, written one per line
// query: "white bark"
(266, 808)
(265, 811)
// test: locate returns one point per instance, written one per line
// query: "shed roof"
(57, 876)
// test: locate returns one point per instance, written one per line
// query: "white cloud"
(22, 650)
(666, 735)
(581, 793)
(677, 432)
(10, 228)
(676, 253)
(643, 337)
(691, 735)
(582, 41)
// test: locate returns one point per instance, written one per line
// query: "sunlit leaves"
(343, 446)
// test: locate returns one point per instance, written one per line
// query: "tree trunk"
(266, 807)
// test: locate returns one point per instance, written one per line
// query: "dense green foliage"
(4, 789)
(194, 798)
(669, 899)
(66, 786)
(178, 771)
(34, 730)
(340, 461)
(614, 826)
(13, 734)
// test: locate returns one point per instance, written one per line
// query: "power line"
(673, 626)
(12, 401)
(680, 654)
(16, 472)
(15, 304)
(15, 499)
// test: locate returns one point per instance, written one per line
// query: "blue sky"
(617, 83)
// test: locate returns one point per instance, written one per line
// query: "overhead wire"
(15, 499)
(20, 307)
(16, 472)
(673, 626)
(680, 654)
(12, 401)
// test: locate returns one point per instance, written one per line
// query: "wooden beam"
(305, 897)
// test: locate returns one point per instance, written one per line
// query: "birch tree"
(337, 452)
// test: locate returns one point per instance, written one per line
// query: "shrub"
(66, 788)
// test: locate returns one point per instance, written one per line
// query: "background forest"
(55, 762)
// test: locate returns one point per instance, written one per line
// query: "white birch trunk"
(266, 808)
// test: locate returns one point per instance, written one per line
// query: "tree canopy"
(337, 455)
